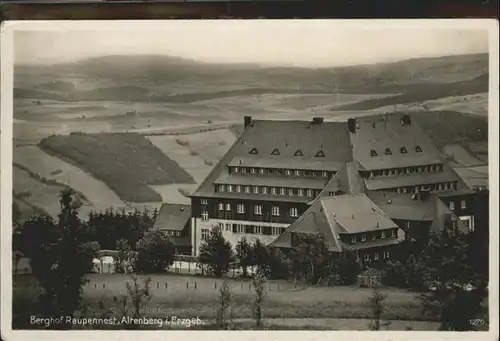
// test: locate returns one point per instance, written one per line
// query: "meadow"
(127, 163)
(196, 296)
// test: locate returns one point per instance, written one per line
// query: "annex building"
(363, 184)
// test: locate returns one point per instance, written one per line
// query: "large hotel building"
(363, 184)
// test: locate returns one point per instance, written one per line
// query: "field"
(182, 297)
(128, 163)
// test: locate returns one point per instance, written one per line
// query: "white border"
(7, 30)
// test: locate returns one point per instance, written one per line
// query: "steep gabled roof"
(404, 207)
(172, 217)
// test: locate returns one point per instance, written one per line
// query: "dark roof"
(288, 136)
(295, 162)
(355, 213)
(404, 207)
(410, 180)
(453, 193)
(261, 197)
(172, 217)
(272, 181)
(379, 133)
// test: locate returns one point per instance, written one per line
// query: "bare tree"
(258, 284)
(223, 306)
(377, 307)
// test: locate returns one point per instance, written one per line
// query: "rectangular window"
(275, 211)
(275, 230)
(204, 202)
(363, 238)
(282, 191)
(367, 257)
(228, 207)
(257, 210)
(243, 170)
(374, 236)
(229, 227)
(393, 234)
(247, 189)
(222, 188)
(240, 208)
(256, 190)
(221, 207)
(375, 256)
(382, 235)
(204, 216)
(264, 190)
(235, 169)
(463, 204)
(353, 239)
(221, 226)
(262, 170)
(309, 193)
(252, 170)
(257, 229)
(291, 192)
(238, 188)
(298, 173)
(386, 255)
(324, 174)
(204, 234)
(229, 188)
(294, 212)
(452, 205)
(301, 192)
(273, 190)
(288, 172)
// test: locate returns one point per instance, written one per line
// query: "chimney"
(247, 120)
(351, 124)
(406, 120)
(317, 120)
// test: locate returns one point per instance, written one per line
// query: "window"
(229, 188)
(367, 257)
(240, 208)
(353, 239)
(403, 150)
(229, 227)
(204, 234)
(228, 207)
(291, 192)
(275, 211)
(256, 190)
(463, 204)
(418, 149)
(254, 151)
(262, 170)
(324, 174)
(221, 207)
(320, 154)
(288, 172)
(264, 190)
(238, 188)
(393, 234)
(363, 238)
(247, 189)
(298, 153)
(252, 170)
(275, 152)
(387, 151)
(235, 169)
(294, 212)
(309, 193)
(382, 235)
(257, 229)
(240, 228)
(373, 152)
(374, 237)
(257, 210)
(375, 256)
(386, 255)
(301, 192)
(222, 188)
(282, 191)
(275, 230)
(273, 190)
(298, 173)
(452, 205)
(204, 216)
(243, 170)
(204, 202)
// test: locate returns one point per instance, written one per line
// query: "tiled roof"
(410, 180)
(272, 181)
(295, 162)
(356, 213)
(377, 133)
(404, 207)
(374, 243)
(260, 197)
(172, 217)
(452, 193)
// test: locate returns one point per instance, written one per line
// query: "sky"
(299, 44)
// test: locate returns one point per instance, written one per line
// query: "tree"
(258, 284)
(457, 288)
(260, 257)
(224, 304)
(124, 258)
(60, 257)
(131, 304)
(311, 258)
(347, 267)
(376, 303)
(244, 253)
(215, 253)
(155, 252)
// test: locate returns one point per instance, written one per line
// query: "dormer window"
(288, 172)
(353, 239)
(275, 152)
(298, 153)
(320, 154)
(388, 151)
(254, 151)
(235, 170)
(373, 152)
(403, 150)
(252, 170)
(282, 191)
(418, 149)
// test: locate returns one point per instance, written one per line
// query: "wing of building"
(362, 184)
